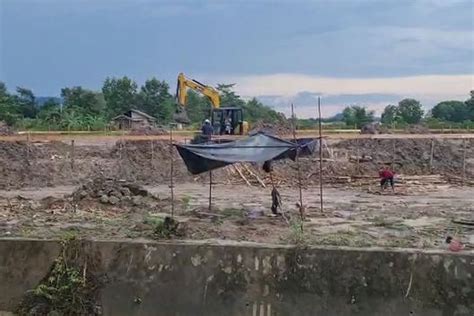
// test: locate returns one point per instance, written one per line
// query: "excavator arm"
(182, 96)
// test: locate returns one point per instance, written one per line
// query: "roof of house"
(128, 116)
(142, 114)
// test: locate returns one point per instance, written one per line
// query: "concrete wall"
(244, 279)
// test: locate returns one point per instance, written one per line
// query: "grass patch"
(186, 201)
(70, 288)
(380, 221)
(164, 228)
(297, 235)
(231, 212)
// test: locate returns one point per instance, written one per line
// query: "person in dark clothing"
(386, 176)
(207, 129)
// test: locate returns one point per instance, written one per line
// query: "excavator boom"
(182, 96)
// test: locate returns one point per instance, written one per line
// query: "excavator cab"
(228, 121)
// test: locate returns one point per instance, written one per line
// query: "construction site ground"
(122, 190)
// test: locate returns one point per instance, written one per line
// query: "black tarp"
(257, 148)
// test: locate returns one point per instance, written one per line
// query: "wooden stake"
(28, 149)
(302, 214)
(72, 154)
(152, 152)
(393, 153)
(210, 183)
(320, 157)
(358, 156)
(171, 171)
(431, 155)
(210, 190)
(463, 161)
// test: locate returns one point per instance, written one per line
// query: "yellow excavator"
(224, 120)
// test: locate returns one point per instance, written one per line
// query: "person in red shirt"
(386, 176)
(454, 244)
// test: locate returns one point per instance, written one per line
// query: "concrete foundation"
(197, 278)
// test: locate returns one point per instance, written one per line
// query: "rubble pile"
(112, 191)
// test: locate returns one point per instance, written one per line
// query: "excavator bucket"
(181, 116)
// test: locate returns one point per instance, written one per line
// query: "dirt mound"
(112, 191)
(5, 130)
(410, 156)
(417, 129)
(372, 128)
(148, 162)
(148, 130)
(283, 127)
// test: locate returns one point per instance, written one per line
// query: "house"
(133, 119)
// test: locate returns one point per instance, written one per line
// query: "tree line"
(410, 111)
(83, 109)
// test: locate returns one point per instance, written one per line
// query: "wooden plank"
(242, 175)
(254, 175)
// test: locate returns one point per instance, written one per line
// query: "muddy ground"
(46, 191)
(419, 216)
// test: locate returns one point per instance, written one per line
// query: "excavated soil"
(122, 191)
(148, 162)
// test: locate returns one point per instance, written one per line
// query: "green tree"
(255, 111)
(390, 115)
(120, 95)
(470, 106)
(198, 107)
(228, 96)
(49, 114)
(9, 110)
(83, 101)
(453, 111)
(357, 116)
(155, 99)
(410, 111)
(26, 102)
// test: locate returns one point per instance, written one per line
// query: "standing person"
(207, 130)
(386, 176)
(228, 125)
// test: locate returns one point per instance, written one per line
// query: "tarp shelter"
(257, 148)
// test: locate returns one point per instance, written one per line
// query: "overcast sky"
(363, 52)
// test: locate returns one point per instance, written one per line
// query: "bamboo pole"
(394, 141)
(28, 149)
(431, 155)
(302, 215)
(72, 154)
(210, 183)
(464, 161)
(171, 171)
(320, 157)
(152, 151)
